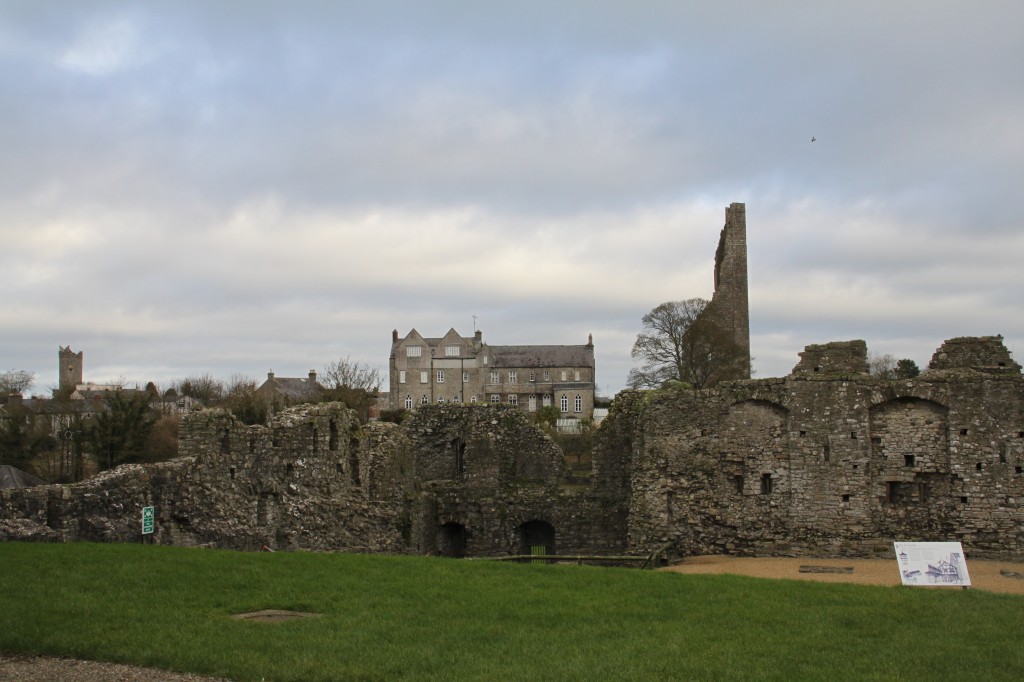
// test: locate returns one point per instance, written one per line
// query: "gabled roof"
(542, 356)
(294, 389)
(11, 477)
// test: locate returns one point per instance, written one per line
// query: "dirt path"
(985, 575)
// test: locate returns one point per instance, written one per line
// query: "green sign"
(148, 518)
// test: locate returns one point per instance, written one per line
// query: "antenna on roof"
(474, 324)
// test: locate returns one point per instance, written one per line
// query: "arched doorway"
(451, 540)
(536, 538)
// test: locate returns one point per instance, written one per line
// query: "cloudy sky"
(233, 187)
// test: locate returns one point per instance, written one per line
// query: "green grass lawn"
(423, 618)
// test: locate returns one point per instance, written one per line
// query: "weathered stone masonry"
(826, 461)
(830, 461)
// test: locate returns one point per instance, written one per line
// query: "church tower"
(69, 365)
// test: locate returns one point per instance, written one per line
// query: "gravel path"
(19, 668)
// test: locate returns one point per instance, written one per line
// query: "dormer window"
(452, 351)
(413, 351)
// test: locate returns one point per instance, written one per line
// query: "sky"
(230, 188)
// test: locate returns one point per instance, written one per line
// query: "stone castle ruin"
(828, 460)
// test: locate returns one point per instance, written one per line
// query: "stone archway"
(536, 537)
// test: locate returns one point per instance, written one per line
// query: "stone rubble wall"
(313, 479)
(827, 462)
(820, 464)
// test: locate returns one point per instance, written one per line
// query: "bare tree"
(888, 367)
(683, 341)
(351, 374)
(16, 381)
(882, 366)
(203, 388)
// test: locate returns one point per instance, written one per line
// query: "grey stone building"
(459, 369)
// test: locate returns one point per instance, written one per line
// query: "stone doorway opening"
(451, 540)
(536, 538)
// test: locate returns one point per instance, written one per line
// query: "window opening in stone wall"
(876, 440)
(846, 498)
(899, 492)
(1002, 453)
(289, 468)
(817, 369)
(963, 500)
(353, 461)
(922, 491)
(1018, 470)
(547, 377)
(513, 376)
(413, 351)
(578, 403)
(339, 468)
(401, 376)
(766, 484)
(408, 402)
(495, 378)
(458, 446)
(533, 376)
(546, 400)
(231, 472)
(456, 399)
(452, 351)
(332, 440)
(495, 399)
(465, 377)
(440, 400)
(424, 378)
(963, 432)
(977, 466)
(252, 444)
(737, 482)
(1020, 434)
(909, 460)
(225, 441)
(472, 399)
(564, 403)
(275, 438)
(513, 400)
(424, 400)
(803, 433)
(440, 376)
(826, 452)
(853, 435)
(563, 375)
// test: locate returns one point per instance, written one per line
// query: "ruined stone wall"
(313, 479)
(826, 461)
(485, 475)
(821, 463)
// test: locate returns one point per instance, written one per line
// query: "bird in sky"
(813, 139)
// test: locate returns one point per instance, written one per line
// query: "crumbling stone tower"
(730, 297)
(70, 366)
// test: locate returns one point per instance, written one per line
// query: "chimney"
(479, 335)
(312, 375)
(270, 375)
(394, 336)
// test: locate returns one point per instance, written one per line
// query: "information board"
(932, 563)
